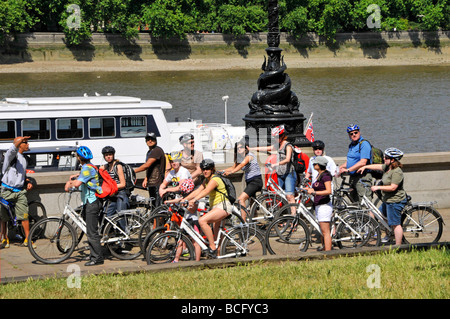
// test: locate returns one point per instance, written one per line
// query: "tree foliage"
(176, 18)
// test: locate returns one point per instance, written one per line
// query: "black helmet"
(150, 136)
(108, 149)
(207, 164)
(318, 144)
(186, 138)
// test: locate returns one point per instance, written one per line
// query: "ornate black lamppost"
(274, 103)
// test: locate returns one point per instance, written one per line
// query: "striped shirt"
(252, 169)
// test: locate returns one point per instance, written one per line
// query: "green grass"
(403, 275)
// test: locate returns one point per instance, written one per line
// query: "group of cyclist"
(187, 172)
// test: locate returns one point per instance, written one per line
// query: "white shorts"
(324, 212)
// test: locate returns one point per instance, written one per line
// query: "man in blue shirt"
(359, 154)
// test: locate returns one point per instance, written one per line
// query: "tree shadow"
(240, 42)
(124, 47)
(173, 49)
(14, 49)
(373, 45)
(82, 52)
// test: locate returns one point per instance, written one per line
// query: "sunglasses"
(387, 158)
(353, 133)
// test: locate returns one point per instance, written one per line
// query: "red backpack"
(109, 186)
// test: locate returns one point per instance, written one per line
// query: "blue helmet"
(85, 153)
(352, 127)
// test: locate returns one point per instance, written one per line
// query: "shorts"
(393, 212)
(226, 206)
(288, 182)
(324, 212)
(253, 186)
(20, 201)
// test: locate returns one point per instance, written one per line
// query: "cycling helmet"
(278, 130)
(207, 164)
(187, 186)
(352, 127)
(318, 144)
(394, 153)
(108, 149)
(85, 153)
(175, 156)
(186, 138)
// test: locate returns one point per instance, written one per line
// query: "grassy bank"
(403, 275)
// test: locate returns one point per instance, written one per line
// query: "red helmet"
(278, 130)
(187, 186)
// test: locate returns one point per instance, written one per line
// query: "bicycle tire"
(54, 240)
(368, 231)
(153, 222)
(249, 237)
(120, 245)
(270, 202)
(36, 212)
(163, 248)
(287, 235)
(430, 222)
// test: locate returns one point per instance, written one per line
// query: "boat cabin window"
(133, 126)
(102, 127)
(7, 130)
(69, 128)
(37, 129)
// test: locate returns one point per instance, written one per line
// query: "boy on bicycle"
(88, 181)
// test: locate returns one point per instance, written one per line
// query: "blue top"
(89, 178)
(356, 152)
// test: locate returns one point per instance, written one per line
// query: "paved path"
(17, 264)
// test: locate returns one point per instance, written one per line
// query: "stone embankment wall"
(32, 47)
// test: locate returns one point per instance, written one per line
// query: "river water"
(405, 107)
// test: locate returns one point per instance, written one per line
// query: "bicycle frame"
(185, 227)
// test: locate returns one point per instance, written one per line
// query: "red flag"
(310, 132)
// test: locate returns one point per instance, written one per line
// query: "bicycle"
(265, 205)
(242, 240)
(289, 234)
(421, 223)
(36, 212)
(55, 238)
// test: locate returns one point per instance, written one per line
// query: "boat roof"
(99, 101)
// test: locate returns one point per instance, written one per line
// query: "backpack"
(130, 176)
(376, 157)
(109, 186)
(231, 190)
(298, 160)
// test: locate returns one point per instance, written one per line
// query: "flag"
(309, 132)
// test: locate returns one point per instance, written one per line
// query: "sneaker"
(5, 243)
(386, 239)
(25, 244)
(211, 253)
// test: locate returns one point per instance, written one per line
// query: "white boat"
(97, 121)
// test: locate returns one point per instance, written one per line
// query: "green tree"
(15, 17)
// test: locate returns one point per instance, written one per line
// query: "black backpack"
(130, 176)
(231, 190)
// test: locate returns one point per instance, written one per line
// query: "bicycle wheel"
(250, 240)
(422, 224)
(152, 223)
(121, 235)
(264, 208)
(36, 212)
(163, 248)
(357, 229)
(54, 240)
(287, 235)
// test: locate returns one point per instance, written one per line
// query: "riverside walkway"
(17, 264)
